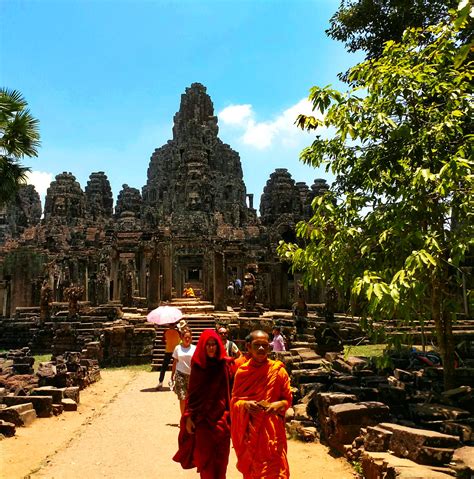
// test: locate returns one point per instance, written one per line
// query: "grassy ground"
(366, 351)
(133, 367)
(136, 367)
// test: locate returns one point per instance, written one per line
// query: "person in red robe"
(204, 436)
(260, 397)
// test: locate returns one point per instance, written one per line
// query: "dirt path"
(125, 429)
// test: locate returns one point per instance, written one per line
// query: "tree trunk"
(444, 333)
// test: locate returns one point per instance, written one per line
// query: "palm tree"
(19, 137)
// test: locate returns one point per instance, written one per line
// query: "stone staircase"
(199, 316)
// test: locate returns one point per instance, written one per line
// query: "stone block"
(402, 375)
(73, 393)
(69, 404)
(464, 431)
(362, 414)
(43, 405)
(303, 376)
(341, 366)
(435, 456)
(433, 412)
(409, 442)
(8, 429)
(376, 439)
(324, 400)
(356, 363)
(58, 409)
(376, 465)
(345, 414)
(463, 459)
(308, 355)
(56, 393)
(301, 413)
(20, 414)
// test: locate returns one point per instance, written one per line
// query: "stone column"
(153, 293)
(114, 279)
(3, 298)
(284, 289)
(275, 291)
(219, 282)
(167, 271)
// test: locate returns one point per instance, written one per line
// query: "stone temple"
(192, 222)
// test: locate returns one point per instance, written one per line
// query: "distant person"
(243, 358)
(230, 347)
(238, 287)
(260, 397)
(181, 369)
(300, 314)
(171, 338)
(204, 435)
(188, 292)
(278, 342)
(230, 289)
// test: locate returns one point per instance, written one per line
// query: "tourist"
(230, 347)
(188, 292)
(260, 397)
(238, 287)
(278, 342)
(243, 358)
(204, 436)
(171, 338)
(181, 369)
(300, 314)
(230, 288)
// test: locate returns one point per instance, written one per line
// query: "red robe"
(260, 440)
(207, 404)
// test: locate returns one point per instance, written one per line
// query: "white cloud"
(237, 115)
(40, 180)
(264, 134)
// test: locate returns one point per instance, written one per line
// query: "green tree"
(19, 137)
(398, 220)
(367, 24)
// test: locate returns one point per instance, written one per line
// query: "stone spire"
(65, 201)
(195, 181)
(129, 201)
(281, 199)
(195, 115)
(318, 188)
(21, 213)
(99, 200)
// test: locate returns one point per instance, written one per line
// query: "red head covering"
(200, 357)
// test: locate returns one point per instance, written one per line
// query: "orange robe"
(243, 358)
(260, 440)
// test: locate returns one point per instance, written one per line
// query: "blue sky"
(105, 78)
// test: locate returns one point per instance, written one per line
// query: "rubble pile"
(53, 389)
(384, 420)
(124, 344)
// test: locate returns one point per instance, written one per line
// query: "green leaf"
(461, 55)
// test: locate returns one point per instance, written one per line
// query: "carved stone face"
(194, 200)
(59, 208)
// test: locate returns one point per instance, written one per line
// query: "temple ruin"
(193, 222)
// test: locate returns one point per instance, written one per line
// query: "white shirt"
(183, 356)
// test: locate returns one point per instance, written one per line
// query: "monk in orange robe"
(243, 358)
(260, 397)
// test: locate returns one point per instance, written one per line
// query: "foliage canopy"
(368, 24)
(19, 137)
(396, 225)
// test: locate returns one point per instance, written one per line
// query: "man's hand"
(253, 407)
(276, 407)
(189, 425)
